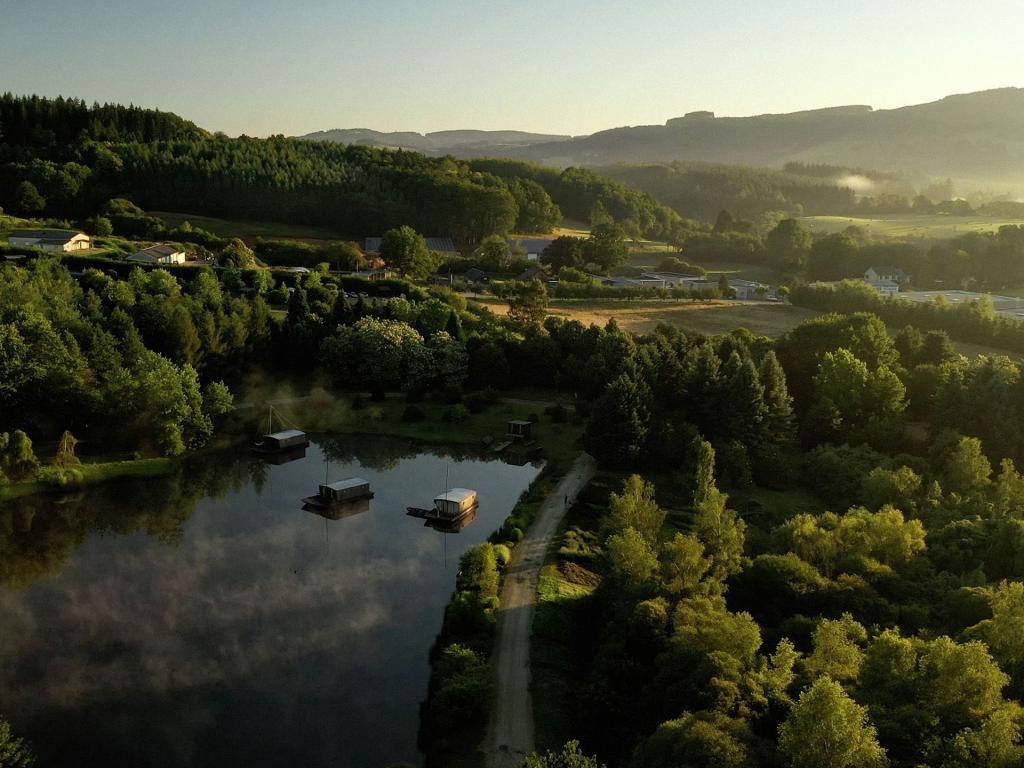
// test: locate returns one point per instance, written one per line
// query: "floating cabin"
(455, 503)
(287, 440)
(520, 430)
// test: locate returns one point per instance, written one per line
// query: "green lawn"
(248, 230)
(908, 225)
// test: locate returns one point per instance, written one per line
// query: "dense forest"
(830, 546)
(61, 158)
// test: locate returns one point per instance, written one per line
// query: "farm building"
(53, 240)
(532, 273)
(159, 254)
(644, 281)
(474, 275)
(748, 289)
(532, 247)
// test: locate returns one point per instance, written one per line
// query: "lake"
(206, 619)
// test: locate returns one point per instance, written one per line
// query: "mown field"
(908, 225)
(710, 317)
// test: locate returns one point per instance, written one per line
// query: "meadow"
(908, 225)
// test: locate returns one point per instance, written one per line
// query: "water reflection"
(206, 619)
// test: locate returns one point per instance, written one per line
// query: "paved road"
(510, 737)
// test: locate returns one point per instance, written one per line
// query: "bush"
(476, 402)
(558, 413)
(533, 418)
(502, 554)
(451, 394)
(455, 414)
(413, 413)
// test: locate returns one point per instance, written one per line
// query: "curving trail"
(510, 736)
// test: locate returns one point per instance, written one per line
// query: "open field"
(764, 318)
(711, 318)
(249, 230)
(908, 225)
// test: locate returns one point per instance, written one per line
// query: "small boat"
(339, 493)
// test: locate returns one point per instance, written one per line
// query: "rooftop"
(286, 434)
(351, 482)
(56, 235)
(456, 494)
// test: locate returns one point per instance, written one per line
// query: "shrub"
(452, 393)
(455, 414)
(476, 402)
(533, 418)
(558, 413)
(413, 413)
(502, 554)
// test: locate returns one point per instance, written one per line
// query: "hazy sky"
(265, 66)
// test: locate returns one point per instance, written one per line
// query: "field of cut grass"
(713, 317)
(249, 230)
(908, 225)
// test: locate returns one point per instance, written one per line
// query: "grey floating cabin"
(346, 490)
(340, 493)
(287, 440)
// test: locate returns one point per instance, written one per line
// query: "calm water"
(207, 619)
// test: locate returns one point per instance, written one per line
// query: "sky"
(262, 67)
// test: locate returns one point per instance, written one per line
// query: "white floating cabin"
(454, 503)
(287, 440)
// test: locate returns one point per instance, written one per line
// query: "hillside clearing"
(908, 225)
(713, 317)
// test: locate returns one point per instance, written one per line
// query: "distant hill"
(972, 137)
(977, 136)
(461, 142)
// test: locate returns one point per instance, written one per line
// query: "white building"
(159, 254)
(53, 240)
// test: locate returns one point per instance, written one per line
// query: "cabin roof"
(286, 434)
(350, 482)
(517, 421)
(456, 494)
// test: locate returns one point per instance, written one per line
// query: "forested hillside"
(700, 190)
(61, 158)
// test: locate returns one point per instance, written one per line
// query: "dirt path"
(510, 737)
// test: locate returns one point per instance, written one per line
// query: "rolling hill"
(974, 137)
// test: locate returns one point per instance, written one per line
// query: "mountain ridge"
(972, 136)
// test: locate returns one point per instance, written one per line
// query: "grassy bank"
(87, 474)
(566, 583)
(435, 422)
